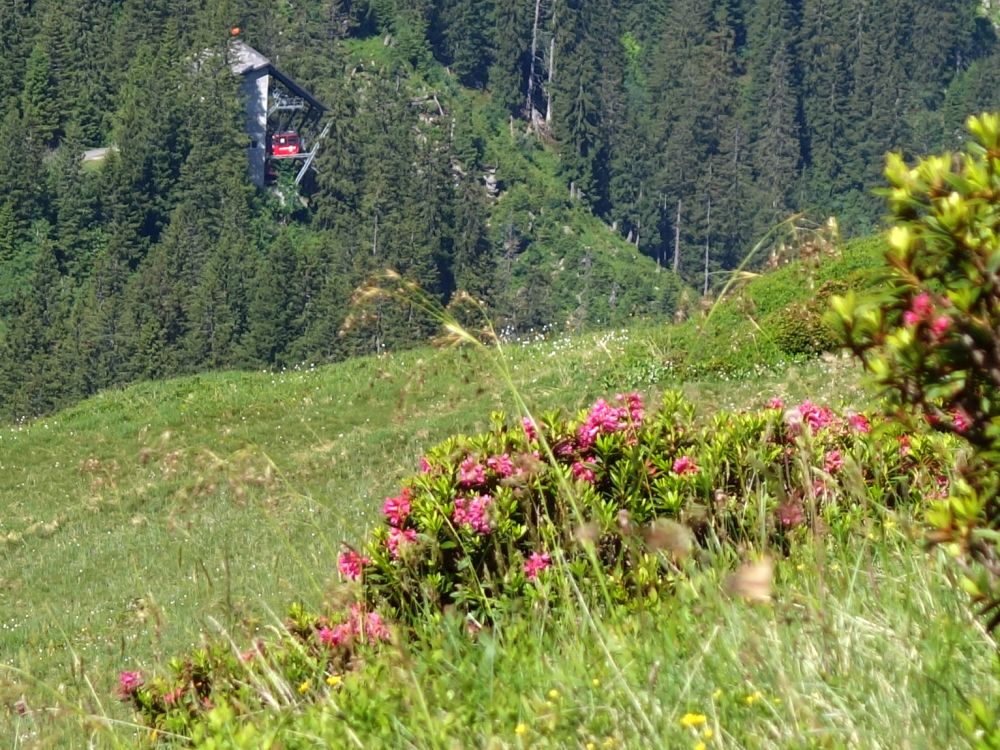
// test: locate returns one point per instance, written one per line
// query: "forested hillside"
(547, 156)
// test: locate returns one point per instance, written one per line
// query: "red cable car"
(285, 144)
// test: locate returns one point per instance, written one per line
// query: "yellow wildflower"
(717, 694)
(753, 697)
(553, 694)
(595, 682)
(700, 746)
(708, 733)
(693, 720)
(521, 729)
(334, 680)
(304, 687)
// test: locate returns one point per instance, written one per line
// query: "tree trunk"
(677, 239)
(548, 85)
(530, 94)
(708, 233)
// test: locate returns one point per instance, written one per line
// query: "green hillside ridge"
(140, 518)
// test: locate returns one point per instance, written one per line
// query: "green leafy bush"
(932, 340)
(801, 327)
(611, 504)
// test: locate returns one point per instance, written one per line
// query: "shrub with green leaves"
(800, 327)
(619, 498)
(610, 505)
(932, 339)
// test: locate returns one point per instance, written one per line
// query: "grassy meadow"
(137, 522)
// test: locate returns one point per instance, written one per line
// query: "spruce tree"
(464, 26)
(512, 40)
(39, 106)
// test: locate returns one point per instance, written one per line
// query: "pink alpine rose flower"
(536, 563)
(473, 513)
(471, 473)
(685, 465)
(791, 513)
(817, 417)
(859, 422)
(396, 509)
(636, 409)
(367, 624)
(351, 564)
(529, 429)
(501, 465)
(398, 537)
(834, 461)
(333, 637)
(776, 403)
(940, 326)
(129, 683)
(602, 419)
(922, 306)
(584, 472)
(375, 628)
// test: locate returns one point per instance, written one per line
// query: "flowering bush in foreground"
(615, 498)
(933, 340)
(485, 510)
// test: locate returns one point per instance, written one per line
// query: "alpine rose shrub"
(933, 340)
(482, 507)
(502, 518)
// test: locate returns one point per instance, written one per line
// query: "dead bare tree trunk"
(530, 94)
(677, 239)
(708, 233)
(548, 84)
(638, 225)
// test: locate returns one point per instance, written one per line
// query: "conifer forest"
(570, 163)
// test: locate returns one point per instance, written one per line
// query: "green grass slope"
(140, 519)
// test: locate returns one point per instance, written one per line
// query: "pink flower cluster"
(396, 509)
(834, 461)
(473, 512)
(398, 537)
(604, 418)
(368, 625)
(471, 473)
(501, 465)
(922, 311)
(685, 466)
(536, 563)
(582, 471)
(129, 683)
(859, 422)
(791, 513)
(529, 429)
(633, 402)
(808, 413)
(351, 564)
